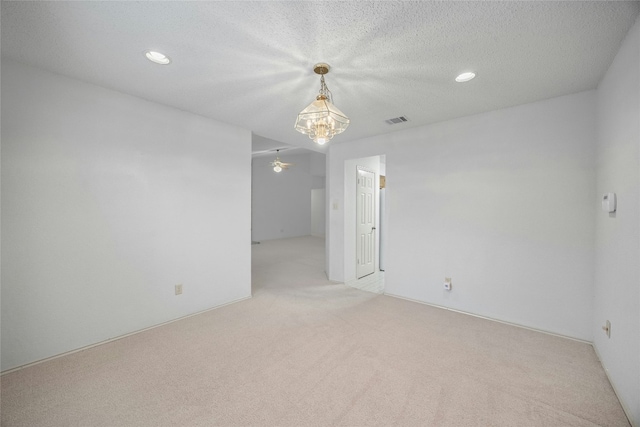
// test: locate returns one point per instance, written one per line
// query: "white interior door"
(365, 227)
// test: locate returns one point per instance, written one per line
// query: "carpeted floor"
(307, 352)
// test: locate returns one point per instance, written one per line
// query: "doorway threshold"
(372, 283)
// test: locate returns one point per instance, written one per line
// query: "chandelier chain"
(324, 90)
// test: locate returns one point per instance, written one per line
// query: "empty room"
(318, 213)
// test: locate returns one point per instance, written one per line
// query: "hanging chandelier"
(321, 120)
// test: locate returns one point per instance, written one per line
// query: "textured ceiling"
(250, 63)
(262, 146)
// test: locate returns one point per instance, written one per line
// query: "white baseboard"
(625, 408)
(66, 353)
(492, 319)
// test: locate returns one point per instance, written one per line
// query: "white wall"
(281, 202)
(502, 202)
(317, 164)
(318, 212)
(617, 283)
(108, 201)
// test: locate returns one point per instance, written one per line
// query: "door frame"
(374, 208)
(341, 233)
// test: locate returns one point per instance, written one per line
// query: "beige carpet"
(307, 352)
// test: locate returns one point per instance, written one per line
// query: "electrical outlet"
(607, 329)
(447, 283)
(179, 289)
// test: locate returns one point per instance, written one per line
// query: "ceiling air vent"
(397, 120)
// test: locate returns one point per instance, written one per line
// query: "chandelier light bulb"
(277, 168)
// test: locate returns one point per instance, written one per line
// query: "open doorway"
(286, 202)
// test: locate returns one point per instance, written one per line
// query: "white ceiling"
(262, 146)
(250, 63)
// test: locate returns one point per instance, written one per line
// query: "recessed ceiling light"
(157, 57)
(465, 77)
